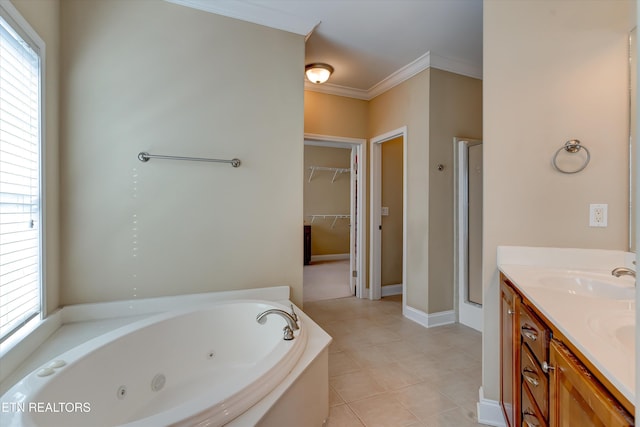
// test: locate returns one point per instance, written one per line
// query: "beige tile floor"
(385, 370)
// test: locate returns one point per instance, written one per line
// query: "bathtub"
(192, 367)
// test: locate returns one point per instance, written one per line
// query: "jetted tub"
(203, 366)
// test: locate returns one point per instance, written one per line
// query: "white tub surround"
(74, 324)
(575, 290)
(205, 360)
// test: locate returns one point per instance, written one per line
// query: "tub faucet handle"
(288, 333)
(291, 326)
(293, 314)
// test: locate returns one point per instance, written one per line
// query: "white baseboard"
(442, 318)
(330, 257)
(429, 320)
(389, 290)
(471, 315)
(489, 411)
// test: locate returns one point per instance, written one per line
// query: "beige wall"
(391, 170)
(435, 106)
(323, 195)
(44, 18)
(553, 71)
(455, 111)
(335, 115)
(150, 75)
(407, 104)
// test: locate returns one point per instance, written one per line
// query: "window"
(20, 194)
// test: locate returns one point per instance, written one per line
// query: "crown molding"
(456, 66)
(255, 13)
(399, 76)
(428, 60)
(331, 89)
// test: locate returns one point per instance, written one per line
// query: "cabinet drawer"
(535, 380)
(534, 333)
(531, 415)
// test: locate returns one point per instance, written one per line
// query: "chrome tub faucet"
(291, 319)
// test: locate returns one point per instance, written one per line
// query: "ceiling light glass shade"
(318, 73)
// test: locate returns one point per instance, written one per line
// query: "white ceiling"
(372, 44)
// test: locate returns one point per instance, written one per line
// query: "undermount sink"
(617, 328)
(589, 284)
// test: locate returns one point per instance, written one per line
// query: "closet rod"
(145, 157)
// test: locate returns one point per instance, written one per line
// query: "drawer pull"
(529, 332)
(531, 377)
(530, 419)
(546, 367)
(510, 312)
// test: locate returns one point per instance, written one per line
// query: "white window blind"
(20, 282)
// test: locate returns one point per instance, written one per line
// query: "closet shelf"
(335, 171)
(334, 217)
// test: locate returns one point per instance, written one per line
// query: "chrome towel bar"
(145, 157)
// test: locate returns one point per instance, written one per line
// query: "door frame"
(375, 252)
(469, 313)
(358, 236)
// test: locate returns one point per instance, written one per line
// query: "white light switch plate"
(384, 211)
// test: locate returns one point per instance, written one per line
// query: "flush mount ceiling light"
(318, 73)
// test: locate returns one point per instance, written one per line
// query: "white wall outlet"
(598, 215)
(384, 211)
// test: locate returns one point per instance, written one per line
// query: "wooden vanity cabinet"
(510, 355)
(578, 399)
(534, 355)
(543, 382)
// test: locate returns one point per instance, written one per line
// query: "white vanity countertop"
(601, 327)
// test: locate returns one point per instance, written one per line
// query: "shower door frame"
(469, 313)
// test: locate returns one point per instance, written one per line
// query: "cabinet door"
(509, 356)
(576, 398)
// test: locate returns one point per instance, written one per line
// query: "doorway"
(468, 164)
(381, 219)
(325, 221)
